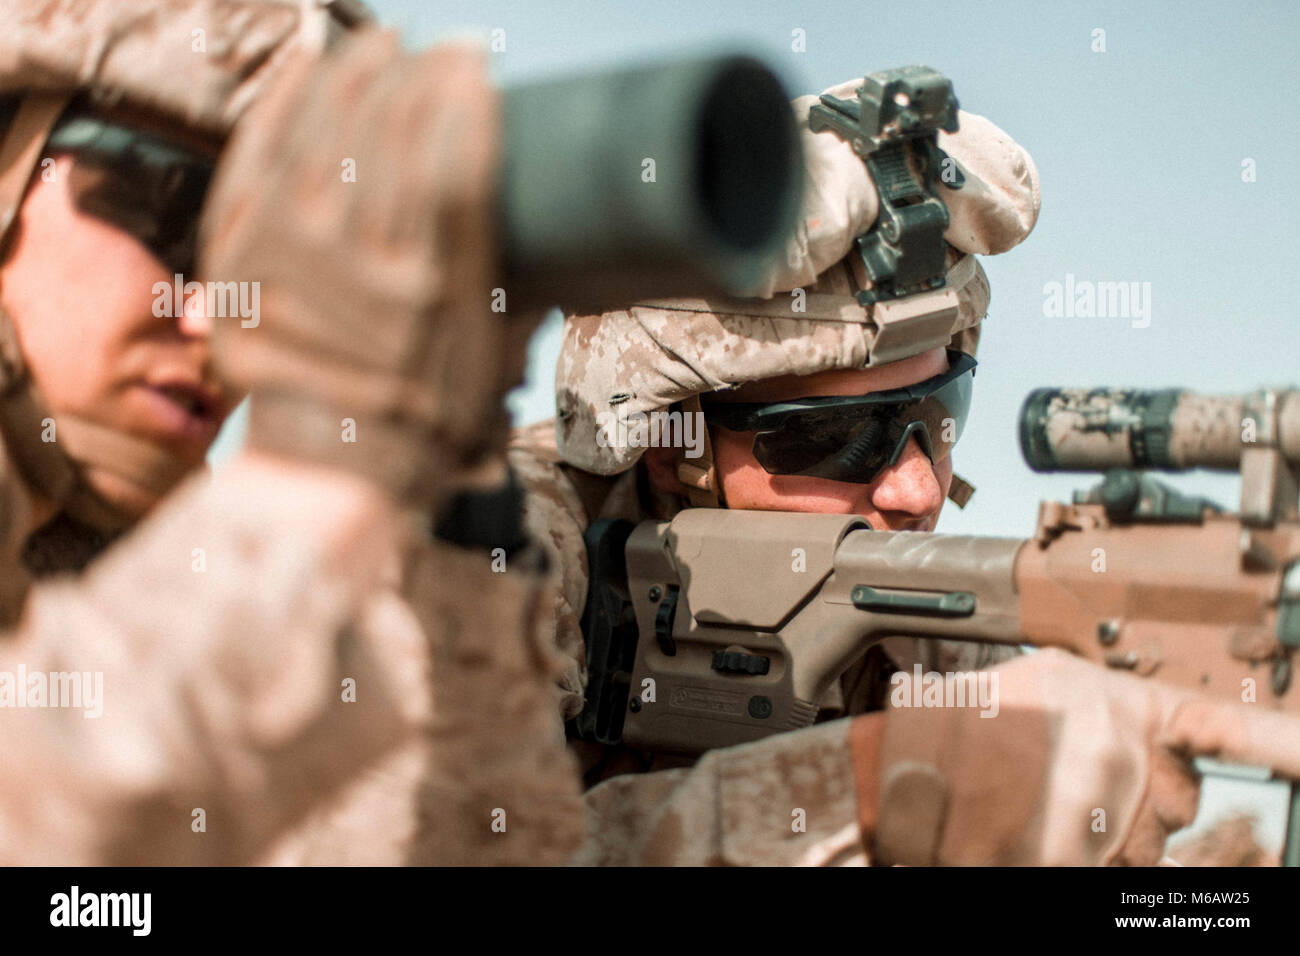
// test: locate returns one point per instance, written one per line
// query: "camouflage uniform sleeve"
(199, 670)
(787, 800)
(554, 517)
(487, 780)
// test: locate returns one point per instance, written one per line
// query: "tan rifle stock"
(728, 626)
(800, 597)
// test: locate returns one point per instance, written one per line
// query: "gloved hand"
(993, 211)
(1080, 766)
(359, 195)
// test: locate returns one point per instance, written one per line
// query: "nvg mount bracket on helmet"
(893, 125)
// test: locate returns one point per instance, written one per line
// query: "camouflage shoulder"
(555, 518)
(549, 492)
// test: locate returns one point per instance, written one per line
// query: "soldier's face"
(82, 295)
(906, 496)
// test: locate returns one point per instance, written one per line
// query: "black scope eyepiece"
(660, 180)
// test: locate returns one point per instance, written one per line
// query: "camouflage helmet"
(197, 63)
(653, 354)
(201, 63)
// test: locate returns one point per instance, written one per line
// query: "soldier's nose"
(194, 320)
(908, 489)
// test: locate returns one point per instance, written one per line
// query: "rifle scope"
(1101, 428)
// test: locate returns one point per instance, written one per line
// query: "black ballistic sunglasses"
(854, 437)
(151, 188)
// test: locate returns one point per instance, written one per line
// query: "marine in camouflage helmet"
(225, 624)
(660, 356)
(896, 785)
(805, 334)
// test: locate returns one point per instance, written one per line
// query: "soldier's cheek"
(753, 489)
(747, 486)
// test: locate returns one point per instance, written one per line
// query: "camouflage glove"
(1080, 766)
(358, 195)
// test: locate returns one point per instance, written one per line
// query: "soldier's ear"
(661, 464)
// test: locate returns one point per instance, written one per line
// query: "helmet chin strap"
(699, 475)
(54, 460)
(54, 465)
(960, 490)
(135, 460)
